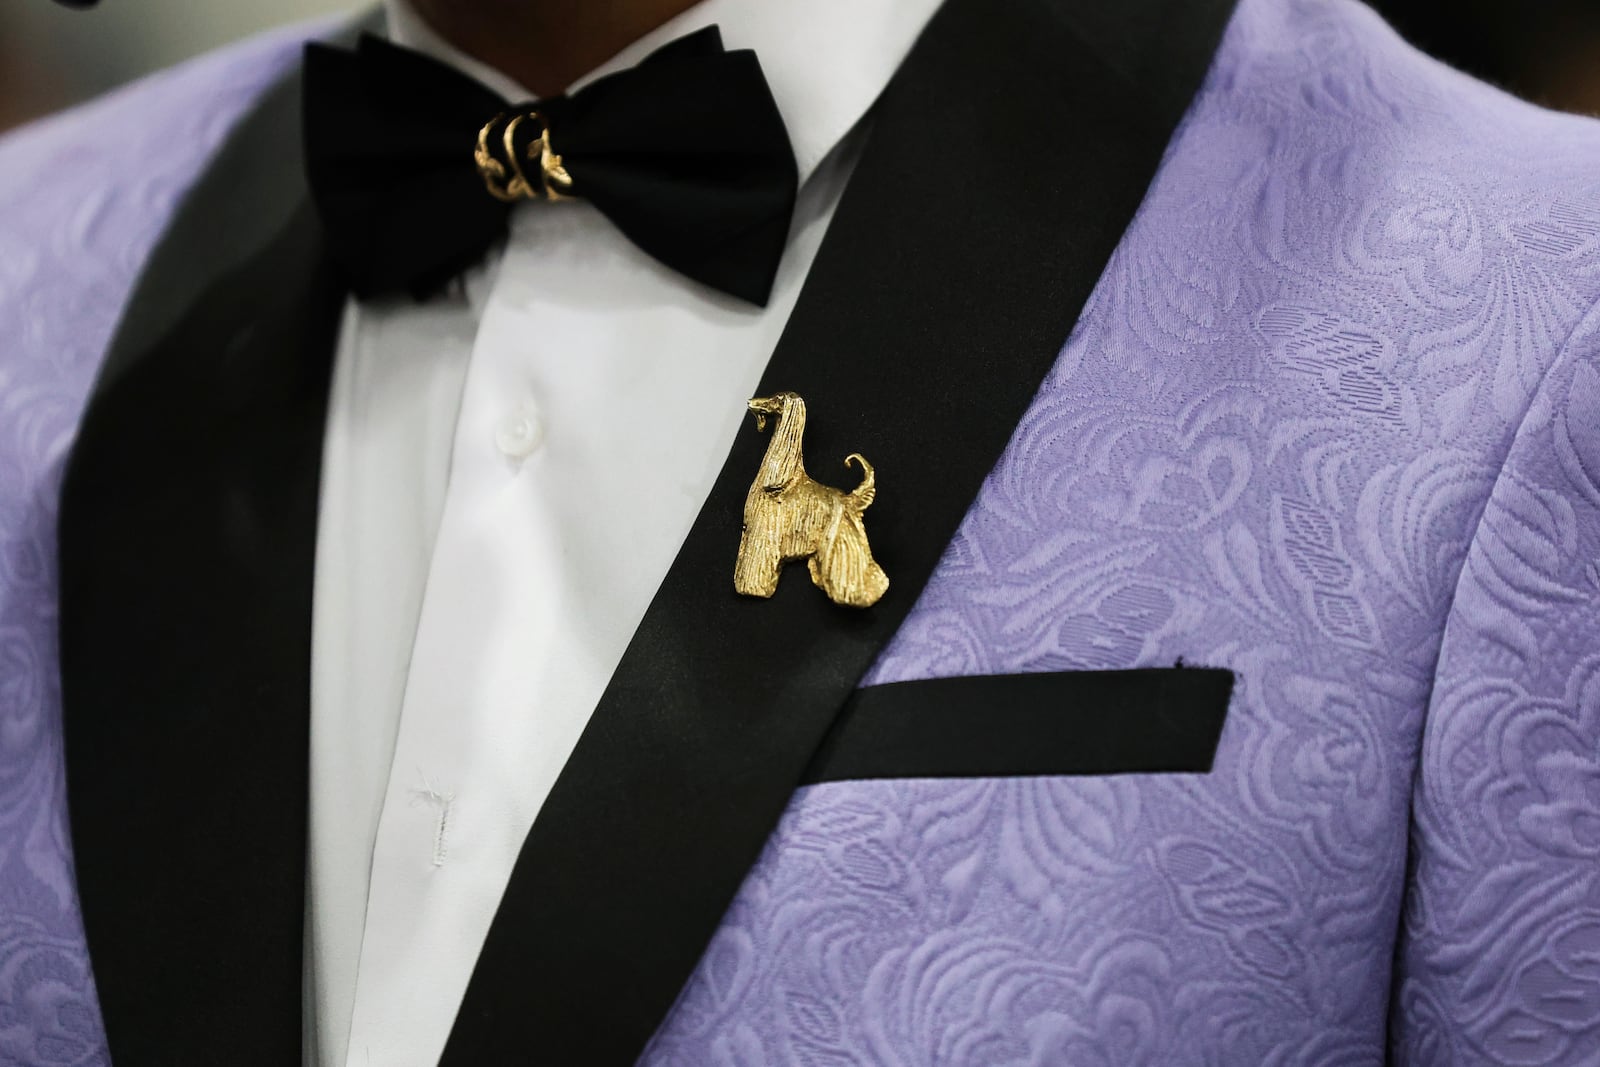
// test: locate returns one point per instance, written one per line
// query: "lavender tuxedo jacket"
(1255, 340)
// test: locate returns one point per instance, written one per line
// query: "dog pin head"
(775, 405)
(790, 516)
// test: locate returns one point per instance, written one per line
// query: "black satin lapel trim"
(1147, 721)
(1005, 161)
(187, 540)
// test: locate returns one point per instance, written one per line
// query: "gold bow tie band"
(554, 182)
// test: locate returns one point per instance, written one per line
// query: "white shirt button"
(521, 433)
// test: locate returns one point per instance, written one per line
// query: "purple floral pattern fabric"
(1502, 927)
(1331, 419)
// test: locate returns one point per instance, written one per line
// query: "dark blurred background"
(50, 57)
(1547, 51)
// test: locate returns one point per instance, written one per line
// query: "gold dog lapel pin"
(790, 516)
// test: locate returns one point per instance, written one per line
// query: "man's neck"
(545, 45)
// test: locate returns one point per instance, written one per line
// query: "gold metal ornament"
(790, 516)
(554, 181)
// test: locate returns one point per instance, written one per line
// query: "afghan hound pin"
(789, 516)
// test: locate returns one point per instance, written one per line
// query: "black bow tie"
(414, 166)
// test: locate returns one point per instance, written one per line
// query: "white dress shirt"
(510, 470)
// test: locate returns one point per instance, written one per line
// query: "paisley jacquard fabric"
(1331, 419)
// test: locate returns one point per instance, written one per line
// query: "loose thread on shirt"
(441, 799)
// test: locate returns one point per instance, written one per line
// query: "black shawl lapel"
(187, 537)
(1004, 163)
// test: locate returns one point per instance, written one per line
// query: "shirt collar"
(825, 60)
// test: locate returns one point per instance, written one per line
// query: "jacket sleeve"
(1499, 957)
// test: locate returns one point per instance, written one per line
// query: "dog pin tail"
(790, 516)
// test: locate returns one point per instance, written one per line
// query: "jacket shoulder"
(1339, 62)
(156, 124)
(84, 197)
(1352, 186)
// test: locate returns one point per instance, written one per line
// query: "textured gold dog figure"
(788, 516)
